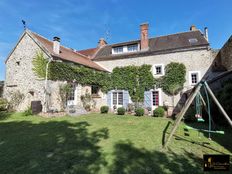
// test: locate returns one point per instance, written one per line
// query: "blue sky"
(80, 23)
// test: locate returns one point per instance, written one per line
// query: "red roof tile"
(67, 53)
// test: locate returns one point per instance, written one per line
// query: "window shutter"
(125, 98)
(109, 99)
(147, 99)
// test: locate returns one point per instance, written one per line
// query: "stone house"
(21, 83)
(190, 48)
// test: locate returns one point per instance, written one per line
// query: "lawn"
(98, 143)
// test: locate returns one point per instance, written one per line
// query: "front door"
(155, 99)
(71, 96)
(118, 99)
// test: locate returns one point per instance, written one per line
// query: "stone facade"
(195, 60)
(20, 77)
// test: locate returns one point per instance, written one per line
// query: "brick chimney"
(144, 36)
(102, 42)
(56, 45)
(193, 28)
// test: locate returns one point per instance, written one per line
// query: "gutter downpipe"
(45, 87)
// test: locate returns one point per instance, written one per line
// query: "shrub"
(27, 112)
(158, 112)
(87, 107)
(104, 109)
(139, 112)
(3, 104)
(121, 111)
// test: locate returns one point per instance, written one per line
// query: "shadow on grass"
(129, 159)
(224, 140)
(50, 147)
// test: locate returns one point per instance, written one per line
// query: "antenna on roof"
(24, 24)
(107, 34)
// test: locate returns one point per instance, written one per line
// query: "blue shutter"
(147, 99)
(109, 99)
(125, 98)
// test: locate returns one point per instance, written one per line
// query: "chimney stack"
(102, 42)
(206, 33)
(144, 36)
(193, 28)
(56, 45)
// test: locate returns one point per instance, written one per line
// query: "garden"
(101, 143)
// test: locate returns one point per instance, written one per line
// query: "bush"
(158, 112)
(121, 111)
(104, 109)
(27, 112)
(139, 112)
(87, 107)
(3, 104)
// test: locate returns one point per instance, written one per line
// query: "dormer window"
(125, 49)
(117, 50)
(193, 40)
(132, 48)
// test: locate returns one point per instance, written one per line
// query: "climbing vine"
(174, 78)
(135, 79)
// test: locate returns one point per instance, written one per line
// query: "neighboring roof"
(89, 52)
(157, 45)
(67, 53)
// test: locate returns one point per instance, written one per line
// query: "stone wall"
(19, 75)
(223, 59)
(195, 60)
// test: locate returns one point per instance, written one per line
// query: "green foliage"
(16, 98)
(39, 63)
(135, 79)
(104, 109)
(225, 99)
(139, 112)
(174, 78)
(121, 111)
(27, 112)
(86, 101)
(158, 112)
(64, 90)
(3, 104)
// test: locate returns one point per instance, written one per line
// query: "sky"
(80, 23)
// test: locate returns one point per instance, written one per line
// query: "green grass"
(101, 143)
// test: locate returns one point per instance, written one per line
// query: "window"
(193, 40)
(132, 48)
(158, 69)
(194, 77)
(71, 94)
(117, 98)
(118, 50)
(155, 98)
(94, 89)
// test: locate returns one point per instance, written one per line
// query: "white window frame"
(112, 98)
(125, 49)
(113, 50)
(134, 46)
(154, 70)
(160, 98)
(198, 76)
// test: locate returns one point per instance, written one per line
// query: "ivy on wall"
(174, 78)
(135, 79)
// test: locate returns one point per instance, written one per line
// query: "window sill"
(95, 96)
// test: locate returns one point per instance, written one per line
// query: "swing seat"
(200, 120)
(203, 130)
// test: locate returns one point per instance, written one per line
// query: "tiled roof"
(157, 45)
(67, 54)
(89, 52)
